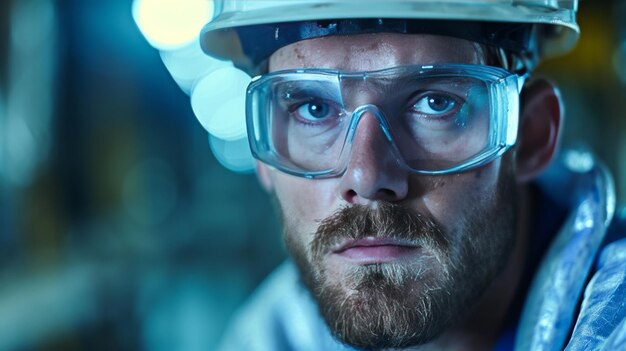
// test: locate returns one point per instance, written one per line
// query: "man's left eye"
(435, 104)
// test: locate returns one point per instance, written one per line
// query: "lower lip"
(377, 254)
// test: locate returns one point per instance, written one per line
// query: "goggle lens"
(437, 119)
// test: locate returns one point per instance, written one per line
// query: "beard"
(404, 303)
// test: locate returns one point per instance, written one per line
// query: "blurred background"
(119, 229)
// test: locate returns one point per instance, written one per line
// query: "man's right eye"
(315, 111)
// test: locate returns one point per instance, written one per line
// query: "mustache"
(386, 220)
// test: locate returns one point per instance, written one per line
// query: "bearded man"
(400, 141)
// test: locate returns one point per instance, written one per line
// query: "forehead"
(366, 52)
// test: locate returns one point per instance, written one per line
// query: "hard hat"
(249, 31)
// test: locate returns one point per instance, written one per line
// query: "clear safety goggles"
(436, 119)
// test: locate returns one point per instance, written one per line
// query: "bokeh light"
(218, 100)
(171, 24)
(580, 161)
(233, 154)
(189, 63)
(27, 97)
(619, 61)
(21, 150)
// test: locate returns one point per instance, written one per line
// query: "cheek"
(304, 202)
(458, 199)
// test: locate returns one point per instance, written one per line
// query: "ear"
(263, 174)
(541, 116)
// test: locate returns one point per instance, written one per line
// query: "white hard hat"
(248, 31)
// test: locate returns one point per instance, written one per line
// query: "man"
(399, 140)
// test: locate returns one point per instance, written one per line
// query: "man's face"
(393, 258)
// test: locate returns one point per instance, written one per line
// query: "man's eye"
(315, 111)
(435, 104)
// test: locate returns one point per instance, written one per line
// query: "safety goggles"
(437, 119)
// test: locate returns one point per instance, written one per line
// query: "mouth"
(373, 250)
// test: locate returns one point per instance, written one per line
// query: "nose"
(374, 173)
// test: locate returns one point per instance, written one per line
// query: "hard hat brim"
(219, 37)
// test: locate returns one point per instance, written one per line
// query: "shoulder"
(280, 315)
(617, 228)
(602, 318)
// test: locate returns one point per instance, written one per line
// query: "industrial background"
(119, 230)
